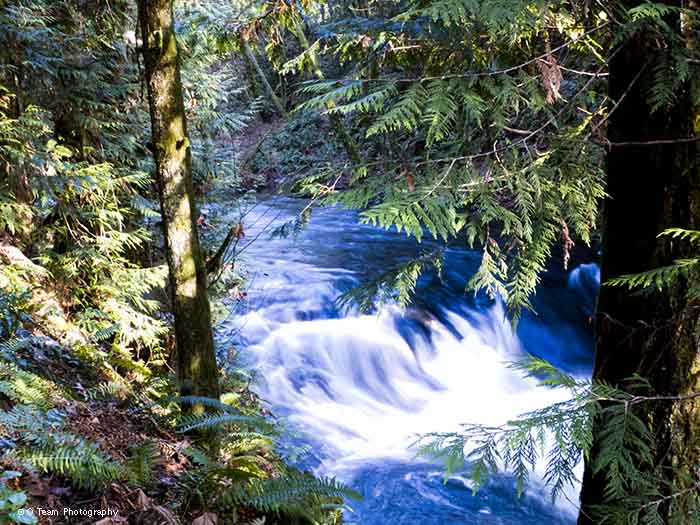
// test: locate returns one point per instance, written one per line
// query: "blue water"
(358, 388)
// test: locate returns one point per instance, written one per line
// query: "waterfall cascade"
(360, 388)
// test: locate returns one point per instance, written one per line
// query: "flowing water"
(357, 389)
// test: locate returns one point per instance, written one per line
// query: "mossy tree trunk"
(250, 55)
(196, 359)
(653, 186)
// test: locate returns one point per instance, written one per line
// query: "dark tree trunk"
(652, 187)
(196, 360)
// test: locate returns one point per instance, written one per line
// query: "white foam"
(356, 384)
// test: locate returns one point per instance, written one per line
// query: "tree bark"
(263, 79)
(651, 188)
(335, 119)
(196, 360)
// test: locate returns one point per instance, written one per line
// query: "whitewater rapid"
(359, 388)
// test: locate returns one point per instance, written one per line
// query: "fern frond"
(106, 333)
(625, 446)
(413, 214)
(12, 345)
(561, 433)
(217, 421)
(206, 402)
(329, 94)
(397, 284)
(441, 110)
(25, 387)
(111, 389)
(371, 103)
(548, 374)
(298, 493)
(141, 461)
(68, 455)
(404, 114)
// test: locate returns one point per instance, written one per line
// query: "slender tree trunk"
(263, 79)
(652, 187)
(336, 121)
(196, 360)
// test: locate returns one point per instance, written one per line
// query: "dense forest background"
(518, 128)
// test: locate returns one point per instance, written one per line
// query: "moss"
(196, 360)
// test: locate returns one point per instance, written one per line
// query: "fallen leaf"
(202, 222)
(208, 518)
(551, 77)
(167, 514)
(143, 502)
(410, 180)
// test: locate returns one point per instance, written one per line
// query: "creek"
(356, 389)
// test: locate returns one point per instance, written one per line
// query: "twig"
(657, 502)
(475, 74)
(655, 142)
(642, 399)
(518, 131)
(619, 101)
(583, 73)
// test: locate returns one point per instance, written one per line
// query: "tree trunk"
(263, 79)
(652, 187)
(196, 359)
(335, 119)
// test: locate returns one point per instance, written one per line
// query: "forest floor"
(74, 386)
(110, 408)
(250, 143)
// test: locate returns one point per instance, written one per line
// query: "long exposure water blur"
(358, 389)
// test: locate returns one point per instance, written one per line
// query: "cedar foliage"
(486, 121)
(469, 129)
